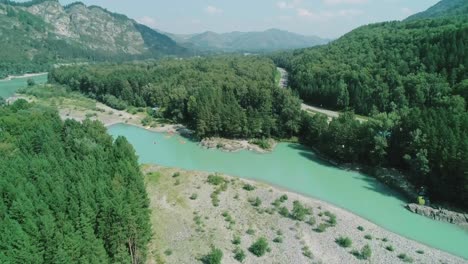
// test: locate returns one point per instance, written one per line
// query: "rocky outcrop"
(439, 214)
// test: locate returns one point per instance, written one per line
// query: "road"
(283, 83)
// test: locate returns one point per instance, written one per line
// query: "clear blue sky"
(325, 18)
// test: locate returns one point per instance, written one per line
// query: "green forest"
(411, 79)
(70, 193)
(228, 96)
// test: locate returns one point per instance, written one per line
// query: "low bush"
(360, 228)
(194, 196)
(344, 242)
(215, 180)
(405, 258)
(260, 247)
(390, 248)
(368, 237)
(278, 239)
(248, 187)
(306, 252)
(236, 240)
(239, 254)
(321, 228)
(214, 257)
(364, 254)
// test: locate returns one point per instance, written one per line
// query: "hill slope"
(269, 40)
(444, 8)
(33, 34)
(414, 74)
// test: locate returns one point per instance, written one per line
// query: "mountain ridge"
(252, 41)
(444, 8)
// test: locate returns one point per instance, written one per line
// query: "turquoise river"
(293, 167)
(9, 87)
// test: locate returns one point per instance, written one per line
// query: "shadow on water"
(372, 183)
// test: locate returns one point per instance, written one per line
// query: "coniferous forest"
(410, 77)
(70, 193)
(229, 96)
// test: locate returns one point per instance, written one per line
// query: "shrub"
(250, 231)
(344, 241)
(283, 198)
(114, 102)
(360, 228)
(420, 251)
(262, 143)
(331, 218)
(194, 196)
(260, 247)
(236, 240)
(385, 239)
(168, 252)
(176, 174)
(365, 253)
(321, 228)
(389, 248)
(248, 187)
(214, 257)
(306, 252)
(405, 258)
(299, 212)
(278, 239)
(177, 182)
(279, 233)
(239, 254)
(284, 211)
(256, 202)
(368, 237)
(215, 180)
(311, 221)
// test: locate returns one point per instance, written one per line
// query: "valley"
(123, 142)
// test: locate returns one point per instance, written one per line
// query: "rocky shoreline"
(440, 214)
(234, 145)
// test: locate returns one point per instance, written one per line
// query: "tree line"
(70, 193)
(229, 96)
(411, 79)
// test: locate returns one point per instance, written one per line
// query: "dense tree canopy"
(231, 96)
(411, 78)
(70, 193)
(384, 66)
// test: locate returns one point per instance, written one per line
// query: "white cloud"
(349, 12)
(288, 5)
(302, 12)
(406, 11)
(148, 21)
(338, 2)
(213, 10)
(324, 15)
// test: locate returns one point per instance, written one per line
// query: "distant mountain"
(36, 33)
(444, 8)
(269, 40)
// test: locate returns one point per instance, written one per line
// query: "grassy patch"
(214, 257)
(368, 237)
(248, 187)
(278, 239)
(390, 248)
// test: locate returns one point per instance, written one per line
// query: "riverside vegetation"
(70, 193)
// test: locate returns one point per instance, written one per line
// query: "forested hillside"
(39, 33)
(411, 77)
(70, 193)
(264, 41)
(226, 96)
(444, 8)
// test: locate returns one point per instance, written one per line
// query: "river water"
(296, 168)
(9, 87)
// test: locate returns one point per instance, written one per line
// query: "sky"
(324, 18)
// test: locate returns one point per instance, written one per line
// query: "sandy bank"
(185, 227)
(27, 75)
